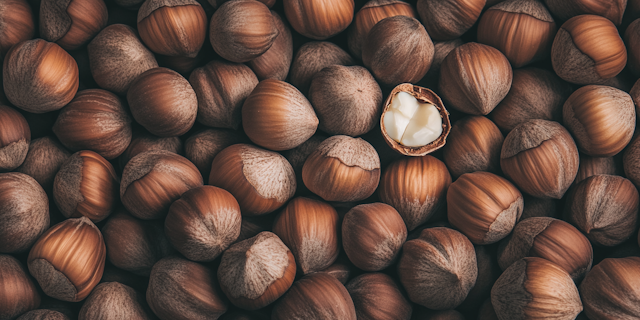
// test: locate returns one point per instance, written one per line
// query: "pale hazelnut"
(113, 300)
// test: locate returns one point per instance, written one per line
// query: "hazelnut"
(275, 62)
(488, 273)
(24, 212)
(39, 76)
(347, 100)
(311, 58)
(416, 187)
(632, 41)
(342, 269)
(172, 27)
(203, 146)
(43, 314)
(521, 29)
(631, 161)
(449, 19)
(15, 137)
(377, 296)
(541, 158)
(183, 65)
(203, 223)
(163, 102)
(539, 207)
(605, 208)
(591, 166)
(113, 300)
(180, 289)
(71, 23)
(397, 50)
(18, 293)
(343, 169)
(610, 9)
(117, 57)
(319, 20)
(484, 206)
(310, 229)
(43, 161)
(242, 30)
(372, 235)
(315, 296)
(535, 288)
(255, 272)
(474, 78)
(588, 50)
(486, 311)
(95, 120)
(261, 180)
(68, 259)
(152, 180)
(441, 50)
(438, 269)
(17, 24)
(142, 141)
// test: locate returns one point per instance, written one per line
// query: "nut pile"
(319, 159)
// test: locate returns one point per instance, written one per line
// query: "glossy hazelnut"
(113, 300)
(261, 180)
(43, 160)
(203, 146)
(152, 180)
(142, 141)
(275, 62)
(72, 23)
(539, 207)
(172, 27)
(39, 76)
(319, 20)
(312, 57)
(68, 259)
(376, 296)
(18, 293)
(474, 78)
(541, 158)
(163, 102)
(610, 9)
(95, 120)
(17, 24)
(255, 272)
(438, 269)
(180, 289)
(449, 19)
(43, 314)
(610, 289)
(15, 137)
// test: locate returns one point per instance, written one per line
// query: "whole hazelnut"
(441, 50)
(438, 269)
(39, 76)
(18, 293)
(17, 24)
(312, 57)
(15, 137)
(163, 102)
(610, 289)
(610, 9)
(43, 160)
(372, 235)
(180, 289)
(474, 78)
(113, 300)
(203, 146)
(539, 207)
(242, 30)
(261, 180)
(255, 272)
(398, 49)
(24, 212)
(319, 20)
(588, 50)
(95, 120)
(43, 314)
(343, 169)
(347, 100)
(152, 180)
(172, 27)
(72, 23)
(449, 19)
(142, 141)
(117, 57)
(275, 62)
(483, 206)
(541, 158)
(310, 229)
(377, 296)
(277, 116)
(68, 259)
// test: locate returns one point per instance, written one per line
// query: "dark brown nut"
(72, 23)
(449, 19)
(129, 5)
(15, 137)
(261, 180)
(183, 65)
(256, 272)
(43, 161)
(315, 296)
(488, 273)
(18, 293)
(377, 296)
(117, 57)
(142, 141)
(605, 208)
(591, 166)
(113, 300)
(244, 315)
(68, 259)
(483, 206)
(39, 76)
(342, 270)
(474, 78)
(438, 269)
(43, 314)
(372, 235)
(610, 9)
(242, 30)
(203, 146)
(342, 169)
(535, 288)
(298, 155)
(172, 27)
(588, 50)
(311, 58)
(152, 180)
(441, 50)
(319, 20)
(534, 94)
(521, 29)
(24, 212)
(347, 100)
(95, 120)
(541, 158)
(203, 223)
(610, 290)
(251, 226)
(632, 41)
(486, 311)
(180, 289)
(631, 161)
(397, 50)
(310, 229)
(275, 62)
(163, 102)
(539, 207)
(277, 116)
(17, 24)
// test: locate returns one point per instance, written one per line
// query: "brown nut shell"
(142, 141)
(610, 290)
(15, 138)
(276, 61)
(18, 293)
(319, 20)
(312, 57)
(43, 314)
(71, 23)
(113, 300)
(202, 147)
(449, 19)
(610, 9)
(43, 160)
(377, 296)
(17, 24)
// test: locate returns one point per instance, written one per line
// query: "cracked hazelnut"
(377, 296)
(15, 137)
(18, 293)
(71, 23)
